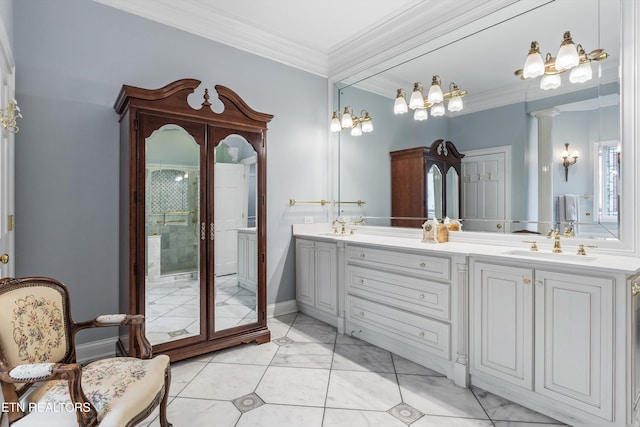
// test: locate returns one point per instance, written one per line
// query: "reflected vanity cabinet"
(192, 219)
(425, 183)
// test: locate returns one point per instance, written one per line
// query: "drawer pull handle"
(423, 264)
(421, 334)
(361, 255)
(361, 282)
(421, 296)
(362, 313)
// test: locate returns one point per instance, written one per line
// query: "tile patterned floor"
(310, 376)
(172, 310)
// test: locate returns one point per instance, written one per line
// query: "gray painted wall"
(72, 58)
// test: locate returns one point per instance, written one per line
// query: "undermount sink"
(550, 255)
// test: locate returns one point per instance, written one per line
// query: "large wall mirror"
(511, 131)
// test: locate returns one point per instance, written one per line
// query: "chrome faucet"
(556, 240)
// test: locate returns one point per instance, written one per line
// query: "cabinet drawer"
(421, 296)
(435, 267)
(421, 332)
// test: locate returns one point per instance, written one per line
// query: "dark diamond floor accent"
(405, 413)
(248, 402)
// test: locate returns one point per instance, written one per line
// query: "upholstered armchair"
(41, 381)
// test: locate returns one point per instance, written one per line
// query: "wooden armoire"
(190, 178)
(425, 183)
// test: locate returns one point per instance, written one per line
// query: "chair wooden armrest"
(135, 321)
(86, 413)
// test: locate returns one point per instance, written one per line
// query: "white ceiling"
(353, 40)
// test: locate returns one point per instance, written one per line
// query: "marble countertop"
(412, 240)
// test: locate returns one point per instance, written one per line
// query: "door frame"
(7, 164)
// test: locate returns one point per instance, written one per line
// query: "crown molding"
(189, 17)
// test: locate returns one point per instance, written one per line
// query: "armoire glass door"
(173, 236)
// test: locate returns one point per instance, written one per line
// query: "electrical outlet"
(308, 220)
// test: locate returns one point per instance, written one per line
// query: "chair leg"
(163, 404)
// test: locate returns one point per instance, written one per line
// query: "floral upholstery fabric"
(35, 330)
(119, 388)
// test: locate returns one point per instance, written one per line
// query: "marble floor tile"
(304, 355)
(439, 396)
(354, 418)
(250, 354)
(294, 386)
(436, 421)
(303, 332)
(224, 381)
(182, 373)
(363, 390)
(281, 416)
(310, 376)
(200, 412)
(500, 409)
(404, 366)
(362, 358)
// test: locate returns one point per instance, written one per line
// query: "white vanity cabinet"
(248, 258)
(317, 279)
(401, 301)
(550, 333)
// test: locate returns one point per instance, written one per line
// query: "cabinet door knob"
(361, 282)
(499, 226)
(4, 258)
(362, 313)
(421, 334)
(539, 282)
(421, 296)
(526, 281)
(635, 288)
(423, 264)
(361, 255)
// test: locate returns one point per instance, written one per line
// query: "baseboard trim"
(282, 308)
(98, 349)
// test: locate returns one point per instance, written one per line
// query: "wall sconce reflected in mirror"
(358, 125)
(9, 115)
(570, 57)
(566, 162)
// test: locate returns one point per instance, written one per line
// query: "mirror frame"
(629, 242)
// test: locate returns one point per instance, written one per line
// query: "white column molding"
(545, 165)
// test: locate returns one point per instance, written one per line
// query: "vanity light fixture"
(569, 57)
(9, 116)
(435, 100)
(566, 162)
(358, 125)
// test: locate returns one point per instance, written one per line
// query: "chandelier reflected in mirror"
(358, 124)
(570, 58)
(434, 100)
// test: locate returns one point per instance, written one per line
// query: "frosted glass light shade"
(416, 100)
(356, 130)
(582, 73)
(568, 54)
(400, 105)
(437, 110)
(367, 126)
(335, 123)
(347, 120)
(420, 114)
(533, 66)
(435, 94)
(455, 104)
(550, 81)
